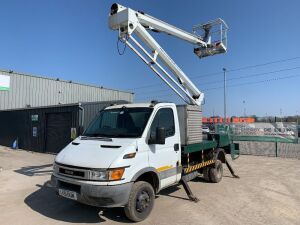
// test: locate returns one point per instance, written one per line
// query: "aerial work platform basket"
(214, 33)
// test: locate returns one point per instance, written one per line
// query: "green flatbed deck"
(204, 145)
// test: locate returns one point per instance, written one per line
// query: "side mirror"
(160, 137)
(81, 130)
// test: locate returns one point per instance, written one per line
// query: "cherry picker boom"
(129, 22)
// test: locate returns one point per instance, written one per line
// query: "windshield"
(121, 122)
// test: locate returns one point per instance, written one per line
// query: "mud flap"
(234, 150)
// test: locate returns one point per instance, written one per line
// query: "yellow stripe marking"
(163, 168)
(198, 166)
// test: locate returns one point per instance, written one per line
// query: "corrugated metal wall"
(38, 91)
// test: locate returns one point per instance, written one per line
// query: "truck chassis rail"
(198, 166)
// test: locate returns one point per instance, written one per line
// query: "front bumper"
(95, 195)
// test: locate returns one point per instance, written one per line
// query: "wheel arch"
(149, 175)
(219, 154)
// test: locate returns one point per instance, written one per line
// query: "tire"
(141, 201)
(206, 174)
(216, 172)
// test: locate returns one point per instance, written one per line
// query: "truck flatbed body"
(214, 140)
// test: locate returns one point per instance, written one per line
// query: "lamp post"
(224, 70)
(244, 108)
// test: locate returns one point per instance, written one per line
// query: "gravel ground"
(267, 193)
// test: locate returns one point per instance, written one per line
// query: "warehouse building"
(23, 91)
(44, 115)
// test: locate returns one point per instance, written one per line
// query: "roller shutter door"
(58, 131)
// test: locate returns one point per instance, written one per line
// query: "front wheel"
(141, 201)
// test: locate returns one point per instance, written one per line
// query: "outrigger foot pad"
(194, 199)
(188, 190)
(231, 169)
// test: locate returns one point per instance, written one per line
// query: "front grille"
(73, 167)
(81, 173)
(71, 172)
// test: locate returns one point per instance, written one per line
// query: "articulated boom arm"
(129, 22)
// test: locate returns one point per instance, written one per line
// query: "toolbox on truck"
(190, 123)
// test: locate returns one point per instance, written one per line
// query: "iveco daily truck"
(130, 152)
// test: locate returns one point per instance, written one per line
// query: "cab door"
(165, 157)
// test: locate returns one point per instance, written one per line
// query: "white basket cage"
(214, 33)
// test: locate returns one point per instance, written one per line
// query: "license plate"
(67, 194)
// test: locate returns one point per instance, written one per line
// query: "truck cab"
(127, 155)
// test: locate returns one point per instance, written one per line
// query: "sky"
(70, 40)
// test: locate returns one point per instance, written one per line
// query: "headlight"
(108, 175)
(98, 175)
(55, 168)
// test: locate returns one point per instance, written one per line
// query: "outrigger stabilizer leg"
(231, 169)
(188, 191)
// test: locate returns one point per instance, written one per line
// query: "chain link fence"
(273, 149)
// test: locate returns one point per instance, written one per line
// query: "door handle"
(176, 147)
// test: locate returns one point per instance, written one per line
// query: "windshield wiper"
(95, 135)
(124, 135)
(95, 138)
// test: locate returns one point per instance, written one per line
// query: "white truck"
(130, 152)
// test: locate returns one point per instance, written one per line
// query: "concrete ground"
(267, 193)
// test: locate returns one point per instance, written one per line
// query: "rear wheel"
(216, 172)
(206, 175)
(141, 201)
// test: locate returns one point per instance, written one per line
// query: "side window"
(163, 118)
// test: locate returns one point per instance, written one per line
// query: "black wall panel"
(47, 129)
